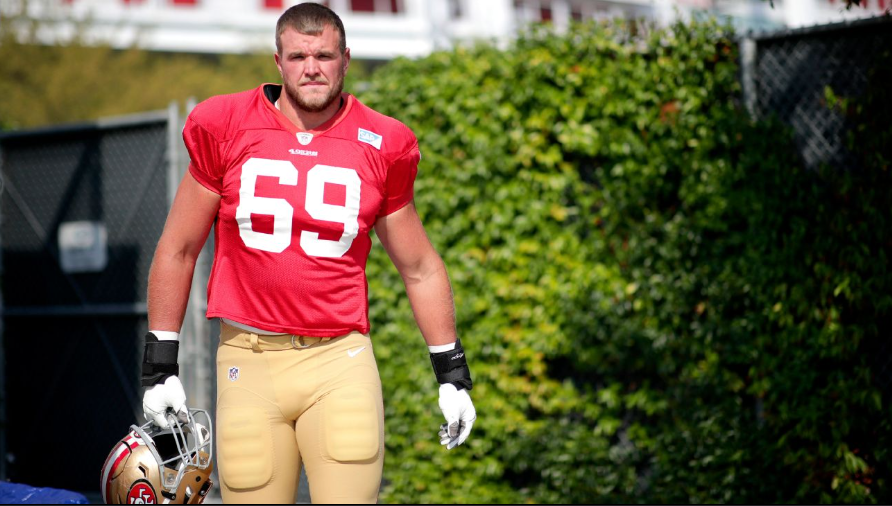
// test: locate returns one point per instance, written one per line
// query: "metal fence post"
(748, 74)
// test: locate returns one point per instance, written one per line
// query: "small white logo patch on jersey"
(370, 138)
(233, 373)
(304, 138)
(353, 353)
(303, 152)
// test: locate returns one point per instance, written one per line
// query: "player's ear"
(346, 59)
(279, 65)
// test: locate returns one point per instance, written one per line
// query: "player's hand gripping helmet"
(153, 465)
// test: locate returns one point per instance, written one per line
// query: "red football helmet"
(175, 463)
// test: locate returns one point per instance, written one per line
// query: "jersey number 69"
(283, 213)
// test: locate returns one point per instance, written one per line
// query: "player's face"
(312, 68)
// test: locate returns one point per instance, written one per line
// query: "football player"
(295, 176)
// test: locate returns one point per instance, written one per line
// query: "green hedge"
(659, 304)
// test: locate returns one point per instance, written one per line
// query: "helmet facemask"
(180, 447)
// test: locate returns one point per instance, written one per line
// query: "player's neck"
(306, 120)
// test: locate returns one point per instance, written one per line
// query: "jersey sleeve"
(400, 184)
(204, 153)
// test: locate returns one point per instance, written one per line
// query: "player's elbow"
(422, 269)
(175, 252)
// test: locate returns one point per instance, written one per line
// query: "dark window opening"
(545, 13)
(362, 5)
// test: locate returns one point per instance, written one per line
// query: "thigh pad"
(244, 446)
(352, 424)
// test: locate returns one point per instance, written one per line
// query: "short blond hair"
(310, 18)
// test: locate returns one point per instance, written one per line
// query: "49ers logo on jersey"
(141, 493)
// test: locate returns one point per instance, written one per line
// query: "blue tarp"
(16, 493)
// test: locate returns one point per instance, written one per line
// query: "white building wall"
(800, 13)
(422, 26)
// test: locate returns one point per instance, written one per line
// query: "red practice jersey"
(292, 233)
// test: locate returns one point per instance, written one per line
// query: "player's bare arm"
(423, 272)
(427, 286)
(170, 279)
(185, 233)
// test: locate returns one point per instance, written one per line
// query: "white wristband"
(441, 348)
(166, 335)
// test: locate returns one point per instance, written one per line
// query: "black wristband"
(452, 367)
(159, 360)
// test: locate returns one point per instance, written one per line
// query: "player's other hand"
(163, 398)
(460, 414)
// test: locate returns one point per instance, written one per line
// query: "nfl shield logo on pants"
(233, 373)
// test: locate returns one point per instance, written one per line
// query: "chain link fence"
(82, 209)
(785, 75)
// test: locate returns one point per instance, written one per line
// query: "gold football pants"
(285, 400)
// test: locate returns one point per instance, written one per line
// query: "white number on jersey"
(283, 213)
(280, 209)
(348, 214)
